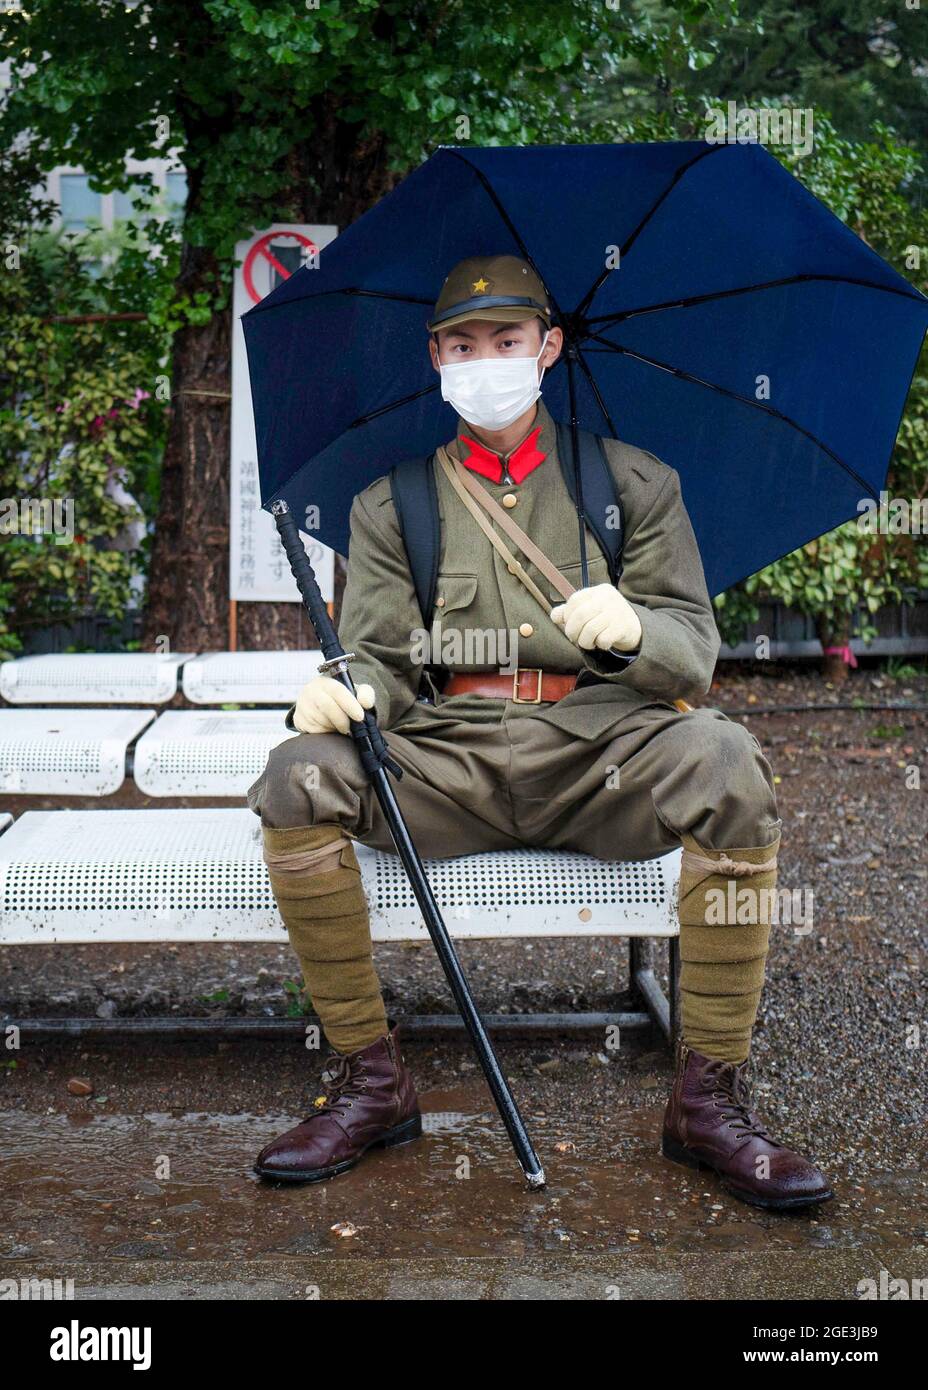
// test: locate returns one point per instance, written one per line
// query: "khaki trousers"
(655, 780)
(630, 794)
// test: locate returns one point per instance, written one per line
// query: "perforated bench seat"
(198, 875)
(249, 678)
(91, 678)
(67, 751)
(207, 753)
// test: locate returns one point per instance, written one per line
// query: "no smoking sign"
(273, 258)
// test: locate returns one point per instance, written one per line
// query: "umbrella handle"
(571, 354)
(374, 757)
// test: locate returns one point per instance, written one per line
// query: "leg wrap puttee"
(726, 905)
(317, 886)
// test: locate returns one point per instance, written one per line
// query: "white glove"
(325, 706)
(599, 617)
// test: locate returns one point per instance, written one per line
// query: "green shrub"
(81, 435)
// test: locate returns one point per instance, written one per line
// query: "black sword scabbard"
(374, 754)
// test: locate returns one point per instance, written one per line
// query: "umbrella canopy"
(721, 318)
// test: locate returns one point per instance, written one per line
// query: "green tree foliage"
(862, 61)
(80, 439)
(283, 110)
(250, 93)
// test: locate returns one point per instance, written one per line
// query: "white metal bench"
(91, 678)
(249, 678)
(81, 752)
(208, 752)
(198, 875)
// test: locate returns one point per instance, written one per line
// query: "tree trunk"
(330, 178)
(189, 578)
(834, 632)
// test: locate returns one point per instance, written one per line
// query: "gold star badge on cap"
(481, 286)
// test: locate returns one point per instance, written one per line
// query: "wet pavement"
(161, 1202)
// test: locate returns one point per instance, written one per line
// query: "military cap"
(503, 289)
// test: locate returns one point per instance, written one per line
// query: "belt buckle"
(527, 670)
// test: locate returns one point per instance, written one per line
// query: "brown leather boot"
(708, 1123)
(369, 1101)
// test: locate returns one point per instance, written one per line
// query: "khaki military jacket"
(479, 602)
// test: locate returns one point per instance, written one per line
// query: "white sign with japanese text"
(258, 568)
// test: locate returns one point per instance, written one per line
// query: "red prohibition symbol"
(262, 247)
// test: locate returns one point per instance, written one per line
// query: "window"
(79, 206)
(175, 187)
(124, 205)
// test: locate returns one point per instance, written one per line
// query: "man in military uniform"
(575, 745)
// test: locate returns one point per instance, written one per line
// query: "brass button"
(510, 499)
(525, 629)
(439, 603)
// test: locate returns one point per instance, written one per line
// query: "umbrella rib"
(597, 393)
(350, 289)
(381, 294)
(691, 300)
(394, 405)
(744, 400)
(633, 236)
(494, 198)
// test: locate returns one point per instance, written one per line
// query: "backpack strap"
(600, 495)
(415, 498)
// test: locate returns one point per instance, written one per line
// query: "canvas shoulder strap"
(468, 489)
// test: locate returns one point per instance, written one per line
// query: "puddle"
(180, 1186)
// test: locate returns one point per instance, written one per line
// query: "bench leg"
(643, 982)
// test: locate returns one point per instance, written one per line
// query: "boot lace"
(341, 1081)
(732, 1096)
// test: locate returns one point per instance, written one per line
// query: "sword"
(376, 761)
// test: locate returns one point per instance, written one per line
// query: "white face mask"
(492, 392)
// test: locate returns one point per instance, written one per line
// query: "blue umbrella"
(716, 313)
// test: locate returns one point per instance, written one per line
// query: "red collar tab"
(489, 465)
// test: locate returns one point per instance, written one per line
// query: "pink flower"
(137, 399)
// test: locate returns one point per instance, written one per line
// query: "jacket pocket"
(453, 592)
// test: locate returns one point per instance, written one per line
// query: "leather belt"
(528, 685)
